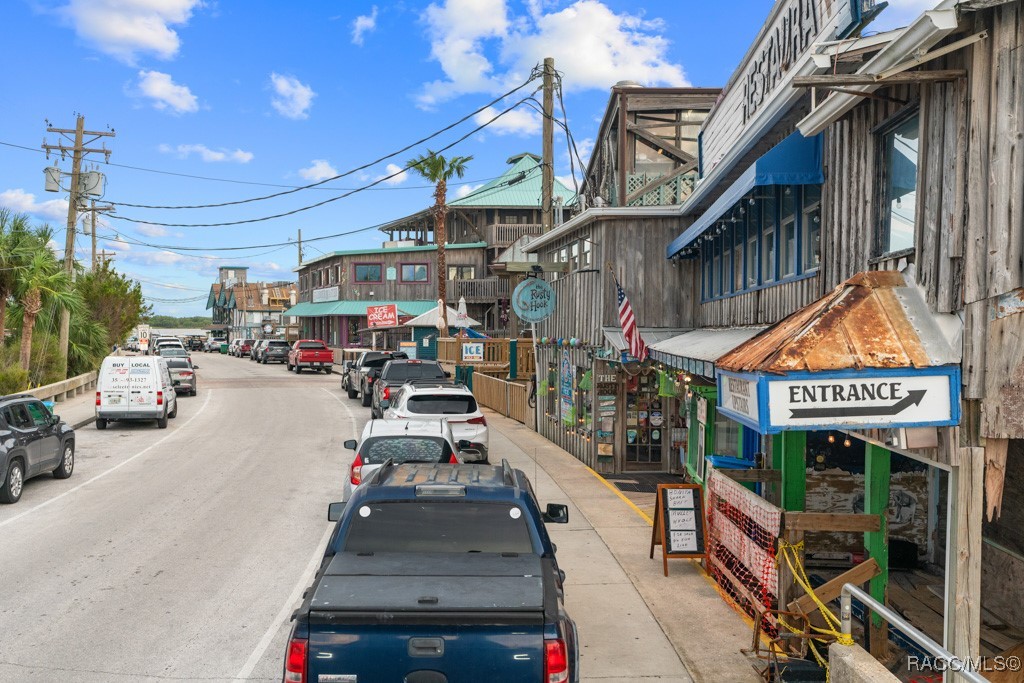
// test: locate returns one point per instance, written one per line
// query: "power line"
(317, 204)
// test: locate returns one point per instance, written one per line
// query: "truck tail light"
(453, 460)
(159, 398)
(185, 373)
(356, 471)
(387, 393)
(478, 421)
(99, 396)
(295, 662)
(556, 662)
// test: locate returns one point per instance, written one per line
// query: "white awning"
(650, 335)
(696, 351)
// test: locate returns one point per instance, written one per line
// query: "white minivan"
(135, 388)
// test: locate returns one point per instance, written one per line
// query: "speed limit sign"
(144, 334)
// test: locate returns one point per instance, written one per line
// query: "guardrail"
(69, 388)
(953, 663)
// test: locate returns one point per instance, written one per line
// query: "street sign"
(845, 399)
(382, 316)
(533, 300)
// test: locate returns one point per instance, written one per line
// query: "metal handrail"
(954, 664)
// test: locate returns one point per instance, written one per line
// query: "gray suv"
(33, 441)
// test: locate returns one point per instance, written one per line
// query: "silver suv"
(450, 401)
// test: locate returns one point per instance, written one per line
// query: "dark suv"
(274, 351)
(33, 441)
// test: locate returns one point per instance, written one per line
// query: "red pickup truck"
(310, 353)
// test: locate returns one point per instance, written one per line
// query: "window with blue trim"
(772, 235)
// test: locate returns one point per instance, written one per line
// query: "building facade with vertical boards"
(251, 310)
(855, 245)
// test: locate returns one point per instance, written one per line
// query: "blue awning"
(794, 161)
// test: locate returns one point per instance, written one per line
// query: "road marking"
(627, 501)
(177, 431)
(304, 581)
(343, 404)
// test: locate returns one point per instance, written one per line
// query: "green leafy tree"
(114, 300)
(439, 170)
(170, 322)
(16, 239)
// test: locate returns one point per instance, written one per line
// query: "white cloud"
(519, 121)
(117, 245)
(362, 25)
(294, 98)
(126, 28)
(166, 94)
(151, 230)
(206, 154)
(481, 49)
(320, 169)
(391, 170)
(465, 190)
(19, 201)
(899, 13)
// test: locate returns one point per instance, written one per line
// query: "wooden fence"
(507, 398)
(495, 357)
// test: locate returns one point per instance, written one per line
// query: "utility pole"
(77, 152)
(300, 246)
(93, 209)
(547, 153)
(105, 256)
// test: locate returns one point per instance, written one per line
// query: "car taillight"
(453, 460)
(295, 662)
(355, 475)
(99, 395)
(478, 421)
(159, 398)
(185, 373)
(369, 380)
(556, 662)
(387, 393)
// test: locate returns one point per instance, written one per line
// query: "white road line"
(286, 610)
(177, 431)
(304, 582)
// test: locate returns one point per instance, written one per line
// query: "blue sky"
(245, 99)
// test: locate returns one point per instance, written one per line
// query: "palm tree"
(42, 276)
(438, 170)
(15, 236)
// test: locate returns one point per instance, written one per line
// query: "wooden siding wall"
(763, 306)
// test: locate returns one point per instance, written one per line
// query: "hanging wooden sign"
(679, 524)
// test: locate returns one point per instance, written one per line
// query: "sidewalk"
(78, 411)
(705, 633)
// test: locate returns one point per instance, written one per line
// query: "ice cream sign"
(382, 316)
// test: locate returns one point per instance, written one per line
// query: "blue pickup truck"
(437, 573)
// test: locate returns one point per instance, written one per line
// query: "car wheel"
(298, 369)
(366, 399)
(195, 390)
(328, 370)
(161, 422)
(174, 413)
(289, 367)
(352, 393)
(15, 481)
(101, 423)
(67, 463)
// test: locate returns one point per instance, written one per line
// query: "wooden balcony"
(501, 235)
(483, 290)
(496, 356)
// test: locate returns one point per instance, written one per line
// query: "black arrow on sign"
(912, 398)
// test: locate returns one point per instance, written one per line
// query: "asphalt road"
(178, 554)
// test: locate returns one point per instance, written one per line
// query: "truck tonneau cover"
(431, 582)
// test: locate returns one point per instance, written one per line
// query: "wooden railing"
(507, 398)
(495, 357)
(488, 289)
(504, 234)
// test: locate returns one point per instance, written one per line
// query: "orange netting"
(743, 530)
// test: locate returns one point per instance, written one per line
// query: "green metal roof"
(391, 250)
(507, 191)
(308, 309)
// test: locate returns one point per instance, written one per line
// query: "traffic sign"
(533, 300)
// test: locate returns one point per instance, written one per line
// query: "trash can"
(224, 348)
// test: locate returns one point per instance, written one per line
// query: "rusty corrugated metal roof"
(876, 319)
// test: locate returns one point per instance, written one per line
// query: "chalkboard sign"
(679, 525)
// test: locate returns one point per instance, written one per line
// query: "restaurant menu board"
(679, 524)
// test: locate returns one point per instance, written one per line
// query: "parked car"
(168, 351)
(243, 348)
(214, 344)
(455, 403)
(195, 344)
(276, 351)
(135, 388)
(312, 354)
(354, 373)
(233, 345)
(408, 441)
(171, 343)
(33, 441)
(256, 347)
(394, 374)
(183, 375)
(437, 573)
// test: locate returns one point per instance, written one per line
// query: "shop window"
(414, 272)
(585, 254)
(727, 272)
(368, 272)
(716, 268)
(461, 272)
(727, 436)
(769, 240)
(645, 420)
(787, 234)
(899, 203)
(739, 239)
(810, 228)
(751, 253)
(574, 256)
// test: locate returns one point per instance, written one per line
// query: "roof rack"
(23, 394)
(510, 476)
(445, 383)
(376, 479)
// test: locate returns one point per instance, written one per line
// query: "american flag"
(637, 347)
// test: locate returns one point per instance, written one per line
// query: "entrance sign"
(533, 300)
(473, 351)
(326, 294)
(679, 524)
(848, 399)
(382, 316)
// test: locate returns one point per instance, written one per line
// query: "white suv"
(453, 402)
(400, 442)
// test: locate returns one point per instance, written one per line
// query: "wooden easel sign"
(679, 525)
